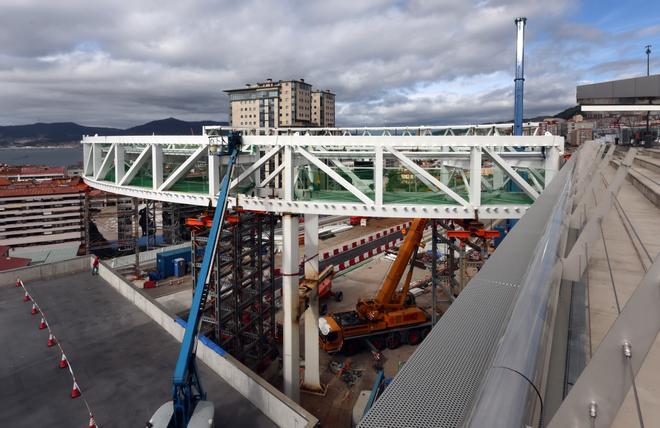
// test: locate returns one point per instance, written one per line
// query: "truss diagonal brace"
(255, 166)
(107, 163)
(426, 177)
(183, 169)
(338, 178)
(524, 185)
(139, 163)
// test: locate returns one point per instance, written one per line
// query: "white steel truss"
(432, 172)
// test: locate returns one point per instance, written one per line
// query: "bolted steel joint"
(627, 349)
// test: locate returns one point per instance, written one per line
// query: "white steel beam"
(120, 167)
(551, 164)
(183, 169)
(88, 163)
(136, 166)
(378, 176)
(157, 166)
(312, 377)
(288, 179)
(336, 177)
(213, 166)
(272, 175)
(107, 163)
(475, 176)
(426, 177)
(291, 343)
(521, 182)
(254, 167)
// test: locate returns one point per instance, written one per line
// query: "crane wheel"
(378, 342)
(393, 340)
(414, 337)
(350, 347)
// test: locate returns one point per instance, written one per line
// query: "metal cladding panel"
(439, 382)
(638, 87)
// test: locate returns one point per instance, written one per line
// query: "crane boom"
(409, 247)
(187, 389)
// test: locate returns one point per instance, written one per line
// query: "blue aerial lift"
(189, 408)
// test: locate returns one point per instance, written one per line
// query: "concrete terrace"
(122, 359)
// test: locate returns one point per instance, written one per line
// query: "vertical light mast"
(520, 76)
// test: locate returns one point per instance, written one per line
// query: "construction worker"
(95, 265)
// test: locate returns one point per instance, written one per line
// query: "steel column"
(312, 379)
(475, 176)
(290, 273)
(157, 166)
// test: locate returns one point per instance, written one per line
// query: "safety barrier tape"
(65, 362)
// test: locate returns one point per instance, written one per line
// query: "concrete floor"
(123, 361)
(361, 281)
(627, 271)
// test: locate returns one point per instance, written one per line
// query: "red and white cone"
(63, 362)
(75, 391)
(18, 282)
(34, 309)
(51, 340)
(92, 422)
(42, 324)
(26, 298)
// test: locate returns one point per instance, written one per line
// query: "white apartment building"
(283, 103)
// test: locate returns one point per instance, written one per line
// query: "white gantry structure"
(431, 172)
(434, 172)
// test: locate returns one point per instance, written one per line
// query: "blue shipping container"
(165, 261)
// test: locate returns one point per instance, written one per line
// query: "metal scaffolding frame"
(240, 309)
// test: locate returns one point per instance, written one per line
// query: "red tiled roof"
(7, 263)
(32, 170)
(50, 187)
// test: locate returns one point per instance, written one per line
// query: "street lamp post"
(648, 61)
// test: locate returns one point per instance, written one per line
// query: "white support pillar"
(379, 172)
(551, 164)
(97, 159)
(120, 167)
(290, 268)
(288, 177)
(475, 176)
(157, 165)
(87, 160)
(312, 379)
(214, 173)
(498, 178)
(444, 173)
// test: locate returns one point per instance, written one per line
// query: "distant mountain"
(64, 133)
(569, 113)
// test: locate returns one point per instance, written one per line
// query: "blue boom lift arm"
(187, 389)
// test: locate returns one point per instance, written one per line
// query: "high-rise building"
(323, 109)
(283, 103)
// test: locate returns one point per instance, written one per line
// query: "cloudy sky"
(122, 63)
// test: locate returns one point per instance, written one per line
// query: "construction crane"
(189, 407)
(388, 319)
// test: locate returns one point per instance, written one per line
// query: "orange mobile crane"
(391, 317)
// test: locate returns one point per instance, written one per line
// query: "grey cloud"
(118, 63)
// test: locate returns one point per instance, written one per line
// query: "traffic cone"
(75, 391)
(18, 282)
(51, 340)
(63, 362)
(92, 422)
(42, 324)
(34, 309)
(26, 298)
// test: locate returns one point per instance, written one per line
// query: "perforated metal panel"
(439, 382)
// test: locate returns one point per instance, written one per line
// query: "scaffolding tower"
(240, 310)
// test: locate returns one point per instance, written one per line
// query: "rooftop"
(122, 360)
(50, 187)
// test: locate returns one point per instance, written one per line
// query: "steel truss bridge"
(433, 172)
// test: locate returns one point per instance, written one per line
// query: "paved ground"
(122, 360)
(627, 271)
